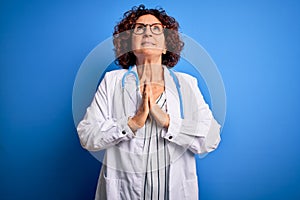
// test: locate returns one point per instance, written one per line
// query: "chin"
(148, 51)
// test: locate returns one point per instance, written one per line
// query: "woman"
(150, 120)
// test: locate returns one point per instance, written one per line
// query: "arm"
(98, 130)
(182, 133)
(198, 131)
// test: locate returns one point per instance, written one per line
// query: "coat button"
(123, 132)
(170, 137)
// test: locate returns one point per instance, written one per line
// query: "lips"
(147, 43)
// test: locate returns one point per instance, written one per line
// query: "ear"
(165, 49)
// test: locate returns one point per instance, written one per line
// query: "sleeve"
(198, 131)
(98, 130)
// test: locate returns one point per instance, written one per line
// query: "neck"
(150, 70)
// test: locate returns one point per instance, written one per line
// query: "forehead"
(147, 19)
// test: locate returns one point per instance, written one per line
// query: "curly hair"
(122, 37)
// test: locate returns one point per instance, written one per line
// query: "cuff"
(173, 129)
(124, 130)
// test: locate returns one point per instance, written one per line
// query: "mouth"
(148, 44)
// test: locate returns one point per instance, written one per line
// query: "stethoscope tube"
(178, 91)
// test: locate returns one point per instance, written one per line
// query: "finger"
(147, 88)
(145, 94)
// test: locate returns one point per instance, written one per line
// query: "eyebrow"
(149, 24)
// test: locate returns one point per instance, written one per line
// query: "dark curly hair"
(122, 37)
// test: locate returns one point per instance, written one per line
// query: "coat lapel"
(173, 109)
(173, 104)
(132, 95)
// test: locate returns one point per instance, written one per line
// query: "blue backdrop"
(255, 44)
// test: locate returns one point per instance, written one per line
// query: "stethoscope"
(137, 82)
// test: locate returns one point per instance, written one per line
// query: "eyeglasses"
(140, 28)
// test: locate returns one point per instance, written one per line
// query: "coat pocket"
(191, 189)
(113, 187)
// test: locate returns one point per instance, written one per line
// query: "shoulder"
(186, 78)
(184, 75)
(115, 74)
(188, 84)
(111, 77)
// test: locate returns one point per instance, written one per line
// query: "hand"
(147, 106)
(139, 119)
(159, 115)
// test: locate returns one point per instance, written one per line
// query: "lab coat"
(104, 127)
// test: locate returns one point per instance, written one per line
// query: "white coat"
(104, 127)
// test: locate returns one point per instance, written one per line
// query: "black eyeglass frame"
(145, 26)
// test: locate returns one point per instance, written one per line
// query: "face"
(148, 38)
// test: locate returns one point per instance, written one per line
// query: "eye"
(139, 27)
(156, 28)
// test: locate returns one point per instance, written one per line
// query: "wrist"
(162, 118)
(153, 107)
(133, 125)
(167, 122)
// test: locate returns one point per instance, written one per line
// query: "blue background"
(255, 45)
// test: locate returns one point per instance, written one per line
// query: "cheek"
(162, 42)
(135, 42)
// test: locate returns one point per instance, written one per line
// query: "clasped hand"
(150, 92)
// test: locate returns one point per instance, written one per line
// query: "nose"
(147, 31)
